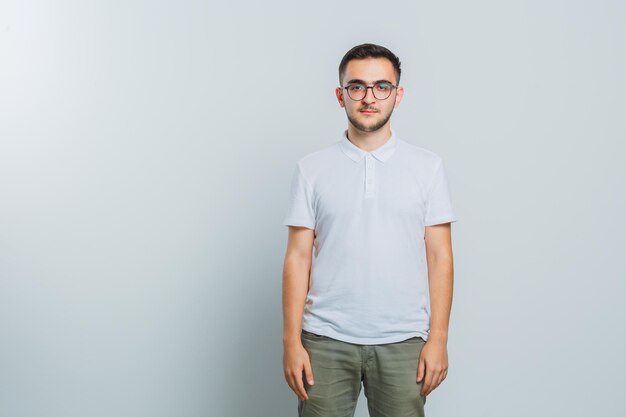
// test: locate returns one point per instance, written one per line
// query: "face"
(369, 114)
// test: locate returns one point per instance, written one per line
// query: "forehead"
(370, 70)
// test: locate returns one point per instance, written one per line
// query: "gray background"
(145, 157)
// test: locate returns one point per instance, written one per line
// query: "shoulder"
(318, 161)
(419, 156)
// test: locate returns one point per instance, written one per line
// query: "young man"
(368, 273)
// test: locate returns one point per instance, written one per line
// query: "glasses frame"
(367, 88)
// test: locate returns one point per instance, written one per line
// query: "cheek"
(388, 108)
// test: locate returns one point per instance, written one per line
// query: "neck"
(369, 141)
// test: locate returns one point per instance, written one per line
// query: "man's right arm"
(295, 288)
(297, 268)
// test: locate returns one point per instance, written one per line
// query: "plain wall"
(146, 150)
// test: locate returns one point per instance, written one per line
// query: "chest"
(386, 191)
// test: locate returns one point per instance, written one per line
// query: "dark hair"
(369, 50)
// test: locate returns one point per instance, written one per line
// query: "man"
(368, 272)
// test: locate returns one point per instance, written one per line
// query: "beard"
(371, 128)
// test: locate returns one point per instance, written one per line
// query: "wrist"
(289, 340)
(438, 335)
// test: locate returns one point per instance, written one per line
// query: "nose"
(368, 98)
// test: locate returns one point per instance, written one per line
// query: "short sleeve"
(439, 204)
(301, 210)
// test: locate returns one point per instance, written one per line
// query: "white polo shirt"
(369, 276)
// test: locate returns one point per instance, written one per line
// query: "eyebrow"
(356, 80)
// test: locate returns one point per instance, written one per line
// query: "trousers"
(388, 373)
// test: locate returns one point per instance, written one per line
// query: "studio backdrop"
(146, 150)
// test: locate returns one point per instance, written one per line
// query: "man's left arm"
(433, 363)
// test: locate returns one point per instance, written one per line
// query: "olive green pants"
(388, 372)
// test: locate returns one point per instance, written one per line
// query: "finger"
(428, 381)
(426, 373)
(308, 372)
(294, 386)
(420, 370)
(436, 380)
(443, 376)
(300, 385)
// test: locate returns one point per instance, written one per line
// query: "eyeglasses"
(358, 91)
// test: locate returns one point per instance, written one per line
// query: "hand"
(295, 359)
(434, 363)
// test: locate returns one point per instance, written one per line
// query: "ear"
(339, 95)
(399, 94)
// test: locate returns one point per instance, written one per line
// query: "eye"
(356, 87)
(383, 86)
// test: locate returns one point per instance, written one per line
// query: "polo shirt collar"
(382, 153)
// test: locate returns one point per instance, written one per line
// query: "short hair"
(369, 50)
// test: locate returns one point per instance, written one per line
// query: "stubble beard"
(372, 128)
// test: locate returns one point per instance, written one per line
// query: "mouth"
(368, 111)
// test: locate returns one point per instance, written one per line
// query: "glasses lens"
(356, 91)
(382, 90)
